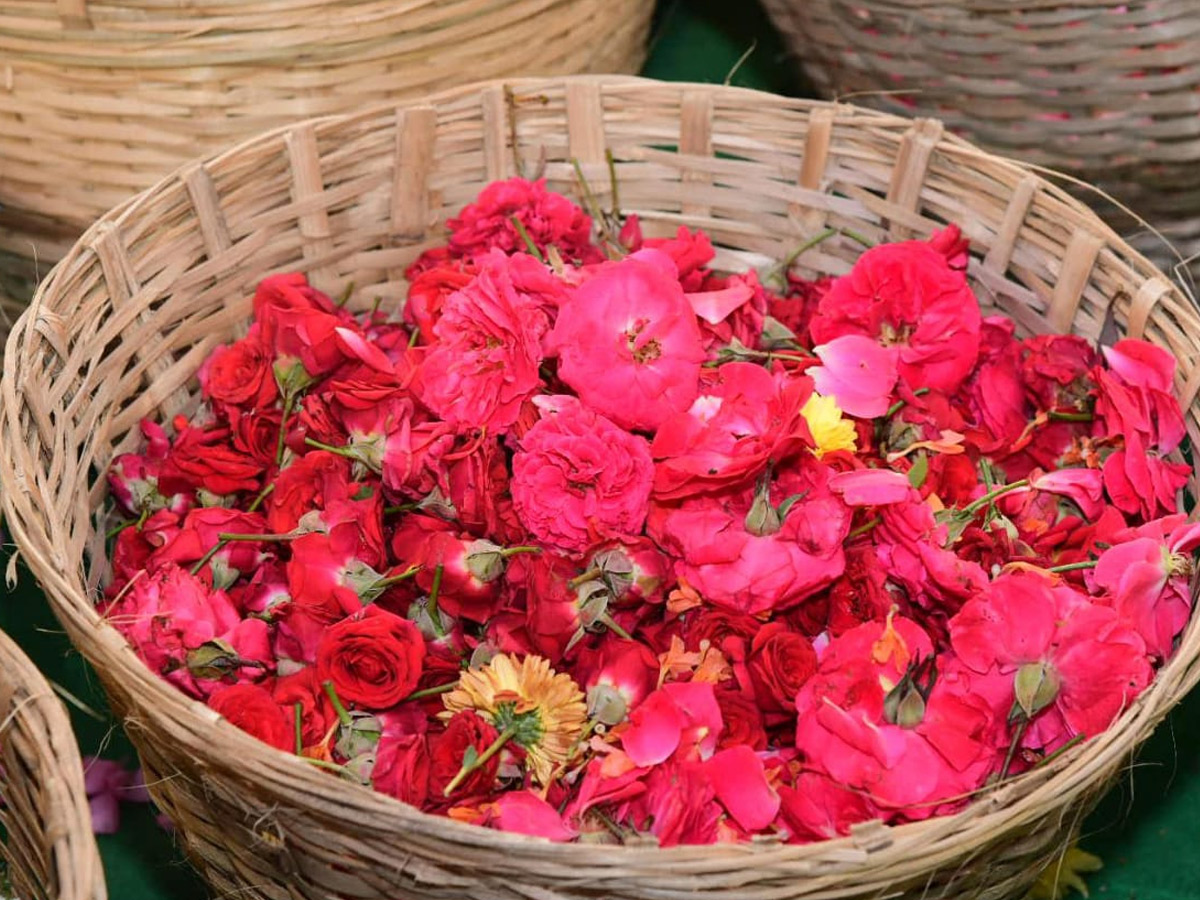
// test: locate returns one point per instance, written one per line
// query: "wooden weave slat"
(761, 172)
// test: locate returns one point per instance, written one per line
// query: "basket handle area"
(73, 14)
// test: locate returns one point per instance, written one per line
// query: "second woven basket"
(1105, 90)
(48, 850)
(118, 330)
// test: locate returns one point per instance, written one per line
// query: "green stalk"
(530, 247)
(342, 714)
(503, 738)
(434, 590)
(296, 710)
(993, 495)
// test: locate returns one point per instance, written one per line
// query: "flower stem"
(995, 494)
(209, 554)
(594, 572)
(530, 247)
(289, 401)
(431, 691)
(620, 632)
(263, 538)
(1070, 417)
(297, 707)
(396, 579)
(900, 404)
(501, 739)
(864, 527)
(1018, 736)
(342, 714)
(434, 590)
(787, 263)
(340, 451)
(1046, 760)
(346, 293)
(612, 182)
(262, 495)
(513, 551)
(1074, 567)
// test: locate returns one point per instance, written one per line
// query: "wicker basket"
(1103, 89)
(48, 849)
(118, 330)
(101, 98)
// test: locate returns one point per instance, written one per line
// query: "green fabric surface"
(1145, 830)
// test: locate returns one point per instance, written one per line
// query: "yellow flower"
(1063, 874)
(540, 710)
(829, 430)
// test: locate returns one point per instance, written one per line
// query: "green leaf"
(919, 471)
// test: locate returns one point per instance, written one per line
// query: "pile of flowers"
(596, 542)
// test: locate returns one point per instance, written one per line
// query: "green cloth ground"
(1146, 831)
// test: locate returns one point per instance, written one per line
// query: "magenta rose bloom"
(485, 364)
(628, 342)
(579, 479)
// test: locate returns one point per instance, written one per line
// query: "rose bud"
(635, 571)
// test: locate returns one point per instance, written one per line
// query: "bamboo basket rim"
(1001, 810)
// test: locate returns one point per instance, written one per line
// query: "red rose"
(578, 478)
(402, 767)
(316, 710)
(316, 419)
(203, 459)
(240, 374)
(311, 481)
(780, 662)
(373, 658)
(475, 482)
(1055, 370)
(743, 721)
(200, 532)
(428, 292)
(907, 294)
(465, 731)
(252, 708)
(484, 365)
(548, 218)
(257, 434)
(300, 322)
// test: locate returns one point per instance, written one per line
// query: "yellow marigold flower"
(540, 710)
(829, 430)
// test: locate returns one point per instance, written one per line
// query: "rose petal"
(858, 372)
(871, 487)
(740, 780)
(715, 306)
(654, 730)
(524, 812)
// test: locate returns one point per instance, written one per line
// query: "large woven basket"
(1103, 89)
(118, 330)
(101, 98)
(48, 850)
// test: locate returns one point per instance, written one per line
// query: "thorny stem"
(503, 738)
(1070, 417)
(786, 265)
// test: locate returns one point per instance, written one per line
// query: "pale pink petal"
(362, 349)
(738, 776)
(858, 372)
(715, 307)
(1084, 486)
(1141, 363)
(871, 487)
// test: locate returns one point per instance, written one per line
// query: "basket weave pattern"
(99, 100)
(49, 852)
(118, 330)
(1104, 89)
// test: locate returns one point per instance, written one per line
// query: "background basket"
(48, 849)
(101, 98)
(1106, 90)
(118, 330)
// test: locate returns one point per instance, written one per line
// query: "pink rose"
(485, 364)
(628, 343)
(578, 478)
